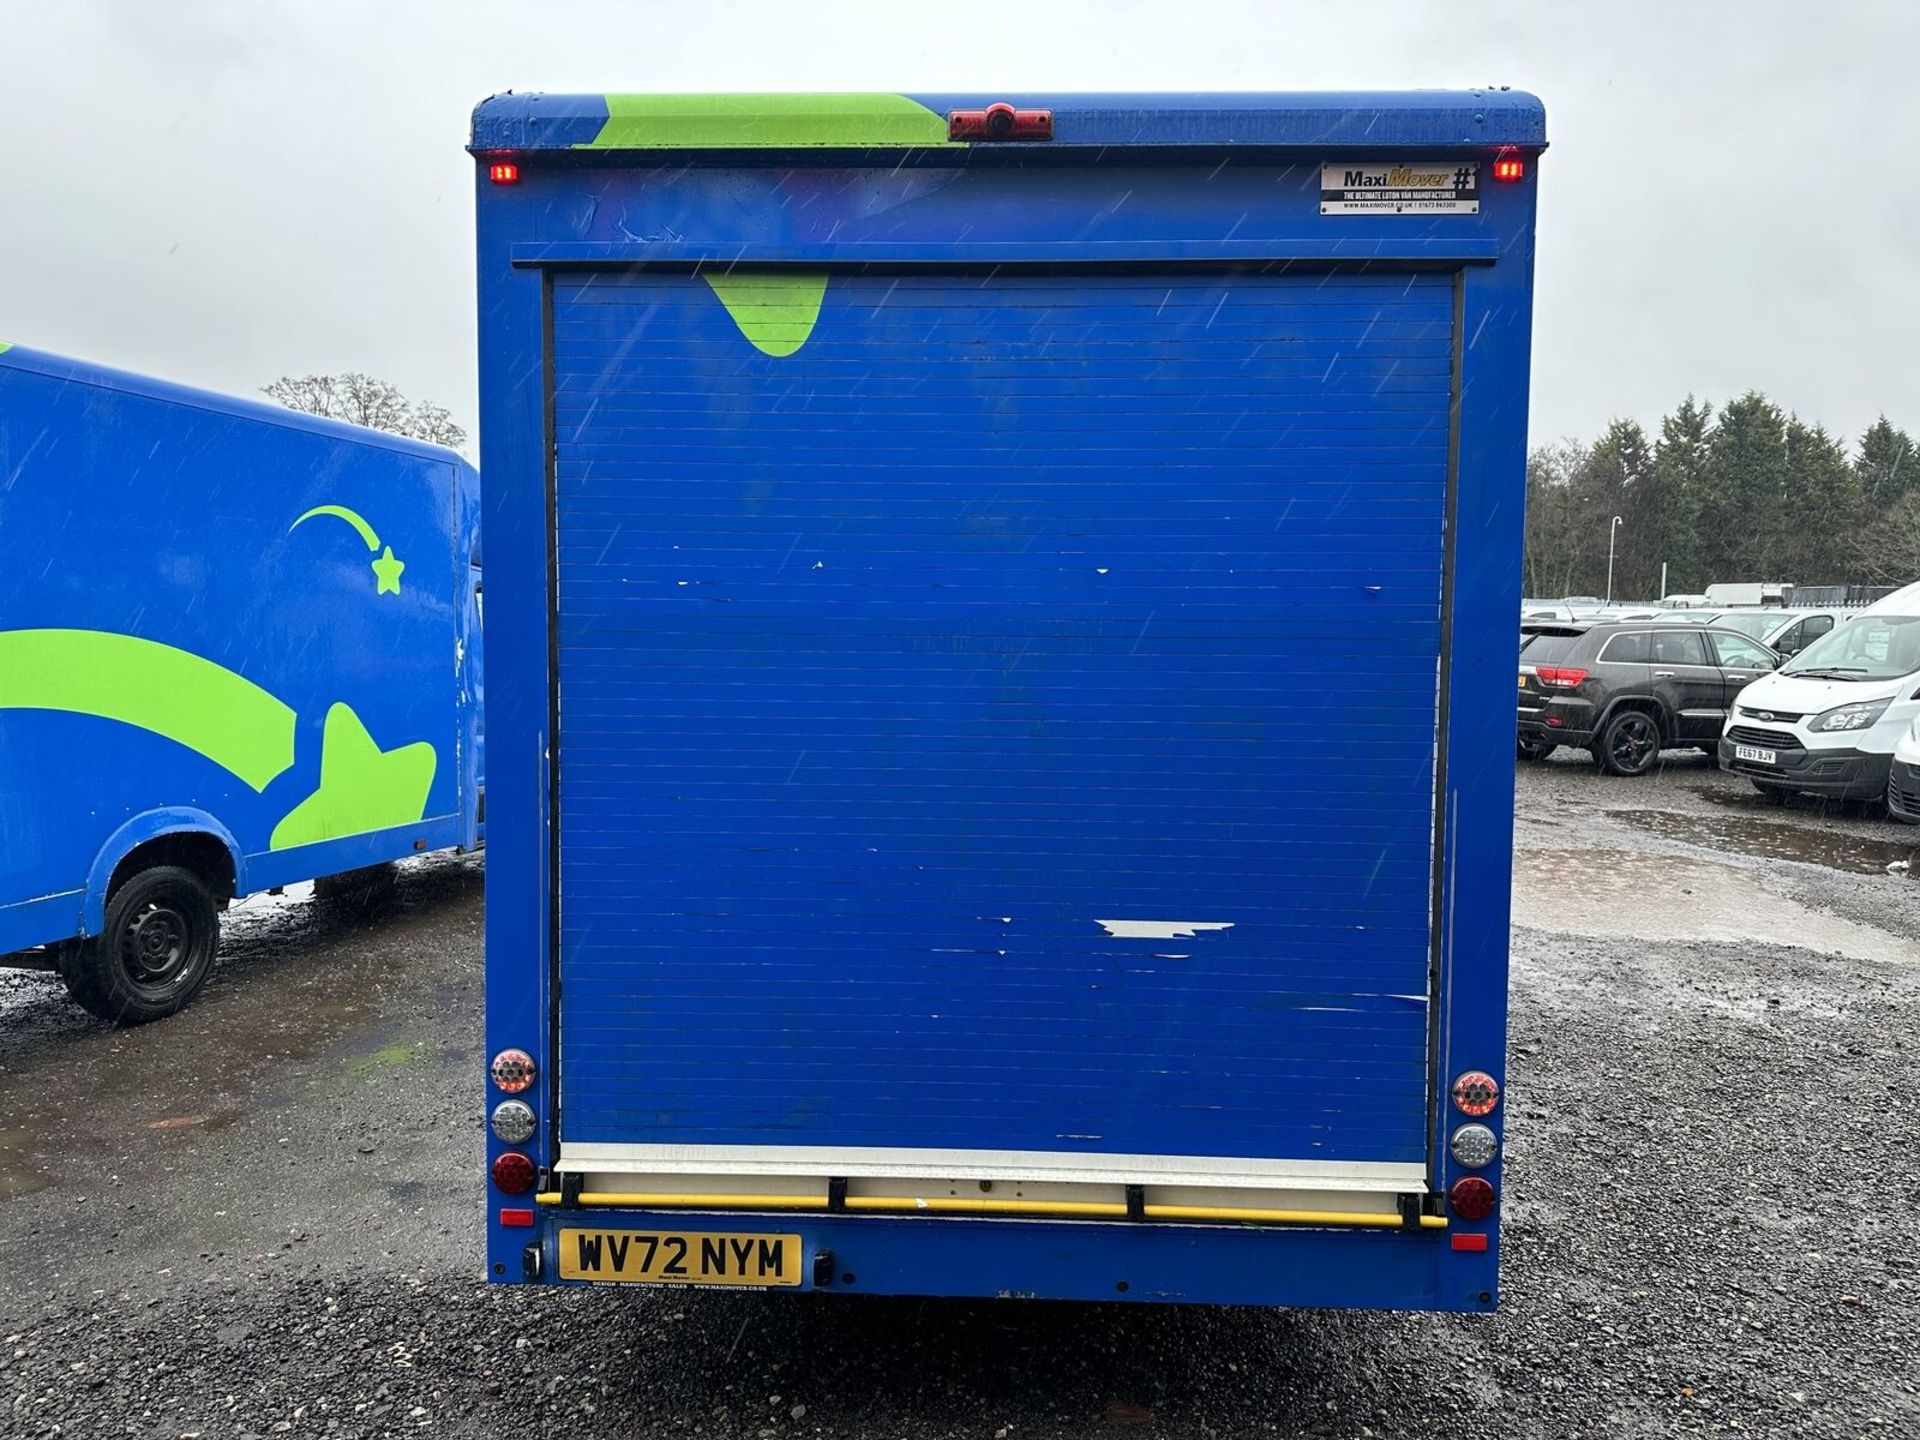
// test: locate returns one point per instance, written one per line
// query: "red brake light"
(1000, 122)
(503, 172)
(513, 1173)
(1509, 168)
(1561, 677)
(1475, 1093)
(1471, 1198)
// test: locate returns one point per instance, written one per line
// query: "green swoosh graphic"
(775, 309)
(341, 512)
(190, 700)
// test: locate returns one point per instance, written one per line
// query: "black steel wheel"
(153, 953)
(1630, 743)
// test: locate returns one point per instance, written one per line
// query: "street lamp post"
(1612, 531)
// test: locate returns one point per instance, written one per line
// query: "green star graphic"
(386, 572)
(362, 787)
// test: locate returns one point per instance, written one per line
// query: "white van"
(1828, 720)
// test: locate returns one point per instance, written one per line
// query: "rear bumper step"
(1408, 1213)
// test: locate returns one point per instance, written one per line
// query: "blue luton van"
(239, 648)
(1002, 689)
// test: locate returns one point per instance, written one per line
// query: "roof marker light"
(1509, 168)
(504, 172)
(1000, 122)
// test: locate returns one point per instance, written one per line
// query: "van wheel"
(1630, 743)
(1531, 747)
(154, 952)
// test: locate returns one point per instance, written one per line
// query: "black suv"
(1628, 691)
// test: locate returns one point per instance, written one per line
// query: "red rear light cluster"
(513, 1173)
(1509, 168)
(1471, 1198)
(1561, 677)
(504, 172)
(512, 1070)
(1476, 1093)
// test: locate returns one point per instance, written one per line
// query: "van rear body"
(1002, 621)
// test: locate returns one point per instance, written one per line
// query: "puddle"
(1750, 835)
(296, 977)
(1621, 894)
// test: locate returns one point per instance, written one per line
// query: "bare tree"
(363, 400)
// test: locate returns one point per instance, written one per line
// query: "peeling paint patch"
(1160, 929)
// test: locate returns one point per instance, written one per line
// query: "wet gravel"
(262, 1217)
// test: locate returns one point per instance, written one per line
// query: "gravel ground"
(261, 1217)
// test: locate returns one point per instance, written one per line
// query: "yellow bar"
(951, 1205)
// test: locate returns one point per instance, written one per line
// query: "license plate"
(657, 1257)
(1754, 753)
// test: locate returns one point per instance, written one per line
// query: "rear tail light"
(1561, 677)
(513, 1173)
(1475, 1093)
(1474, 1146)
(513, 1070)
(1471, 1198)
(513, 1122)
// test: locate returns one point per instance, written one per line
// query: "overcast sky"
(223, 191)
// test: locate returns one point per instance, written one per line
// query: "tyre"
(1629, 744)
(153, 953)
(1532, 747)
(1772, 794)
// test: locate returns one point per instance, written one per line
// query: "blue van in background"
(239, 648)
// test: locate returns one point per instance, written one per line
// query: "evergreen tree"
(1680, 462)
(1887, 468)
(1742, 483)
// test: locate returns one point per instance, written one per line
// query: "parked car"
(1628, 691)
(1786, 631)
(1827, 723)
(1903, 783)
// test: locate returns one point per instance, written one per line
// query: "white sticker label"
(1400, 187)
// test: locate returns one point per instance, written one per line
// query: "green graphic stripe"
(735, 122)
(191, 701)
(341, 512)
(775, 309)
(5, 345)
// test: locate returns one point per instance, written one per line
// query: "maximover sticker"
(1399, 187)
